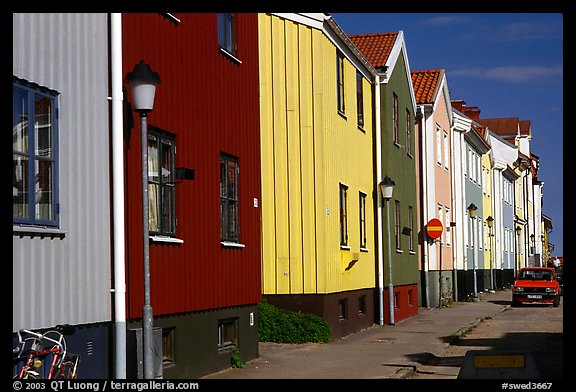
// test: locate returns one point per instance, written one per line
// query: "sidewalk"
(387, 351)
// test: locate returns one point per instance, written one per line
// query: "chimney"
(473, 112)
(458, 104)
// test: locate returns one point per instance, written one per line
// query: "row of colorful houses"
(286, 128)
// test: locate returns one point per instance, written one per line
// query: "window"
(397, 225)
(161, 183)
(343, 215)
(446, 151)
(395, 117)
(340, 81)
(362, 206)
(230, 230)
(168, 346)
(438, 145)
(343, 309)
(359, 99)
(440, 216)
(447, 226)
(362, 305)
(227, 334)
(34, 155)
(411, 227)
(227, 32)
(408, 133)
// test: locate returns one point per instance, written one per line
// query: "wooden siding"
(307, 150)
(400, 167)
(209, 102)
(56, 281)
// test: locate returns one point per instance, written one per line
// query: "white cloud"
(511, 73)
(445, 20)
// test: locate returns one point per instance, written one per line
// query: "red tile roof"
(506, 127)
(425, 84)
(375, 47)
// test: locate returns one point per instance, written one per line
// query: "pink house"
(434, 185)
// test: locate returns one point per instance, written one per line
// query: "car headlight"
(550, 290)
(518, 289)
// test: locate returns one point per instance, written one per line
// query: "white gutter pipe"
(118, 198)
(378, 147)
(424, 202)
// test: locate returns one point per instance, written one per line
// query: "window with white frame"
(447, 226)
(446, 151)
(359, 99)
(343, 215)
(438, 145)
(395, 119)
(230, 230)
(34, 154)
(340, 82)
(362, 208)
(441, 219)
(408, 133)
(161, 183)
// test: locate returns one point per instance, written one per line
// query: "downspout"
(378, 143)
(424, 203)
(118, 198)
(454, 212)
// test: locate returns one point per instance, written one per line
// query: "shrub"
(285, 326)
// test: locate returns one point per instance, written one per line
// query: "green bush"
(285, 326)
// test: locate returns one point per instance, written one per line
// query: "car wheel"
(556, 302)
(515, 303)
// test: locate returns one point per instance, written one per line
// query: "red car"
(536, 285)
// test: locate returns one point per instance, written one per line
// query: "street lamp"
(142, 81)
(387, 188)
(472, 209)
(490, 223)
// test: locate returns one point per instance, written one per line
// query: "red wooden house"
(204, 232)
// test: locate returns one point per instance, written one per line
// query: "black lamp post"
(142, 81)
(472, 213)
(490, 223)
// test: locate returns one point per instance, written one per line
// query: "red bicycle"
(37, 347)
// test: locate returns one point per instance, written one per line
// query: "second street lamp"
(143, 81)
(472, 213)
(490, 223)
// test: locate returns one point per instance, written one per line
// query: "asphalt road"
(537, 329)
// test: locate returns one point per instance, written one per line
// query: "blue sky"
(509, 65)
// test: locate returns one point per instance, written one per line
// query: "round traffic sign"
(434, 228)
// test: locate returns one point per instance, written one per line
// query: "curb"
(406, 372)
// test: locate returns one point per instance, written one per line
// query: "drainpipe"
(118, 197)
(378, 148)
(454, 204)
(424, 203)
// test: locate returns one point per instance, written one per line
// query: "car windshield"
(535, 275)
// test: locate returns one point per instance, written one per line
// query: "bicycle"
(63, 365)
